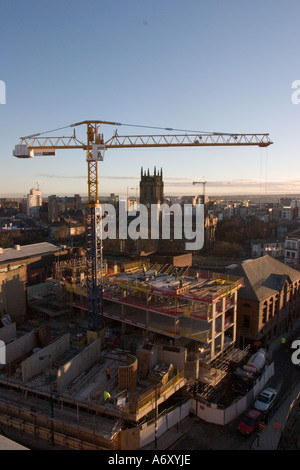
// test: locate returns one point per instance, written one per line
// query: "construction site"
(165, 329)
(106, 357)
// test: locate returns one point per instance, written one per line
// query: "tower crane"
(94, 145)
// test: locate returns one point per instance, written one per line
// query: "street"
(200, 435)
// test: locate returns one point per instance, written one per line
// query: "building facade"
(13, 291)
(57, 206)
(273, 248)
(269, 302)
(292, 251)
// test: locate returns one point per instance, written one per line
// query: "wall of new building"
(20, 347)
(80, 363)
(33, 366)
(8, 332)
(181, 260)
(173, 355)
(12, 292)
(129, 439)
(168, 354)
(191, 370)
(127, 375)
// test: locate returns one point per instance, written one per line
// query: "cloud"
(44, 175)
(238, 185)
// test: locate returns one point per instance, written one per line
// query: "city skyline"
(253, 188)
(207, 67)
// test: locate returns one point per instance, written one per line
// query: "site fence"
(208, 412)
(217, 414)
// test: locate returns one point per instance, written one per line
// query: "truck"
(256, 362)
(244, 378)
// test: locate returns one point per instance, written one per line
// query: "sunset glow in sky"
(196, 65)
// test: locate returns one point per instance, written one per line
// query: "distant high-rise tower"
(34, 202)
(151, 187)
(52, 208)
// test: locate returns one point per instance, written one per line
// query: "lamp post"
(41, 358)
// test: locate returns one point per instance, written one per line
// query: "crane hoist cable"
(132, 125)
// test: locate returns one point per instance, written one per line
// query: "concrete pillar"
(221, 338)
(213, 331)
(235, 316)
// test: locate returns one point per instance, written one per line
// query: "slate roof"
(24, 252)
(263, 277)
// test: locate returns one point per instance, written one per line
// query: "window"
(264, 313)
(246, 321)
(270, 313)
(276, 304)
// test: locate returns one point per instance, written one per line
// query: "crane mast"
(94, 249)
(95, 146)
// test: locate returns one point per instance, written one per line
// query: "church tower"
(151, 187)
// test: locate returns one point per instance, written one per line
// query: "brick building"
(269, 302)
(21, 266)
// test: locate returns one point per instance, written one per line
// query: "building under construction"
(195, 311)
(165, 327)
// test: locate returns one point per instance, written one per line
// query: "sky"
(207, 66)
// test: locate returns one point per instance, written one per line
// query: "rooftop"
(23, 252)
(263, 277)
(172, 281)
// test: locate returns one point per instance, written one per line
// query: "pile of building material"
(162, 372)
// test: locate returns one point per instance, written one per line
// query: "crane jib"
(34, 146)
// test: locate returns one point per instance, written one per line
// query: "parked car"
(250, 423)
(265, 400)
